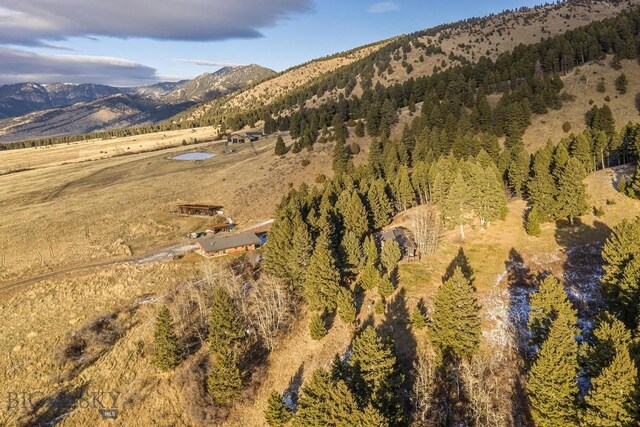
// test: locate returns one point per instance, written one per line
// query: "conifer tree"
(611, 400)
(456, 326)
(279, 251)
(621, 279)
(610, 336)
(354, 214)
(373, 363)
(532, 223)
(224, 323)
(340, 158)
(621, 84)
(301, 249)
(518, 172)
(346, 307)
(370, 249)
(277, 414)
(560, 159)
(317, 327)
(546, 305)
(167, 352)
(281, 148)
(375, 158)
(390, 256)
(322, 279)
(327, 402)
(418, 318)
(225, 381)
(385, 287)
(370, 277)
(353, 250)
(408, 139)
(552, 386)
(379, 204)
(371, 417)
(456, 203)
(359, 130)
(571, 200)
(542, 187)
(403, 190)
(581, 150)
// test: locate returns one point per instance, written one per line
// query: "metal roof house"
(404, 239)
(227, 245)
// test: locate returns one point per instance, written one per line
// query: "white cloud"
(18, 66)
(383, 7)
(36, 22)
(207, 63)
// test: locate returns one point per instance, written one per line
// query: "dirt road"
(167, 252)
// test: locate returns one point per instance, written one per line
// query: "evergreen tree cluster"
(604, 356)
(360, 390)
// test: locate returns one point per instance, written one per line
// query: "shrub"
(607, 98)
(598, 211)
(321, 179)
(379, 308)
(532, 224)
(354, 148)
(601, 87)
(621, 84)
(566, 127)
(610, 202)
(305, 162)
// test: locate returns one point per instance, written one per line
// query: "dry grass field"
(63, 212)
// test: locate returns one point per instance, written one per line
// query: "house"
(227, 245)
(200, 209)
(254, 136)
(404, 239)
(235, 139)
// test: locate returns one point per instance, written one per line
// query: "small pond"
(193, 156)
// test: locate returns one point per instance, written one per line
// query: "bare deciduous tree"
(426, 229)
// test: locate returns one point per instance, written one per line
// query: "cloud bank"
(17, 66)
(207, 63)
(40, 22)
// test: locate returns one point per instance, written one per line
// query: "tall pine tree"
(455, 328)
(552, 386)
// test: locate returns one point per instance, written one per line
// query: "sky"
(140, 42)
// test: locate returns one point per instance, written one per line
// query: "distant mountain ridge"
(29, 110)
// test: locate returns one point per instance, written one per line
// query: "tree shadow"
(396, 326)
(582, 267)
(451, 393)
(292, 391)
(521, 282)
(461, 261)
(52, 409)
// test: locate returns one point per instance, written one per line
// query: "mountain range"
(29, 110)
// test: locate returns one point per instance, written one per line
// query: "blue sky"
(121, 42)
